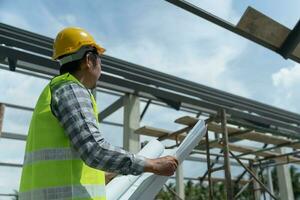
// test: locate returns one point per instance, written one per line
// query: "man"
(66, 155)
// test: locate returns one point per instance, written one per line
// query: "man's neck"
(82, 78)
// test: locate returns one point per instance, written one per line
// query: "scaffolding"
(230, 118)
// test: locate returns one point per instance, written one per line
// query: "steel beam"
(243, 189)
(253, 175)
(2, 108)
(145, 109)
(197, 90)
(51, 68)
(22, 32)
(291, 42)
(140, 80)
(111, 109)
(152, 75)
(13, 136)
(5, 164)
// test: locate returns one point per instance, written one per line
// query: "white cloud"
(10, 178)
(222, 9)
(42, 21)
(20, 89)
(184, 45)
(13, 19)
(287, 83)
(68, 19)
(287, 77)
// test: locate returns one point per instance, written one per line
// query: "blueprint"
(147, 185)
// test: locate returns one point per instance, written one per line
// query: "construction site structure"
(230, 118)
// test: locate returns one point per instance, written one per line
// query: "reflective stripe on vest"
(52, 169)
(50, 154)
(64, 192)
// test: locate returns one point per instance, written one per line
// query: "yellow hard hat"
(71, 39)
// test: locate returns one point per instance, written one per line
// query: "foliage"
(195, 191)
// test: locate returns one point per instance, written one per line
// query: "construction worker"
(66, 155)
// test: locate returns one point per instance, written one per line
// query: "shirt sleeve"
(71, 104)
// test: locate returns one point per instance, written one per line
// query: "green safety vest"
(52, 168)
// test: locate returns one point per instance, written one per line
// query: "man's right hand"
(164, 166)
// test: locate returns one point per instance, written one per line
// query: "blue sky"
(158, 35)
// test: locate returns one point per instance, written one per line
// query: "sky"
(160, 36)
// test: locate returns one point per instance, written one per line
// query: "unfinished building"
(230, 118)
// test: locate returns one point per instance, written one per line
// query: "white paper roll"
(148, 185)
(191, 141)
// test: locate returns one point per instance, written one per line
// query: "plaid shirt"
(71, 104)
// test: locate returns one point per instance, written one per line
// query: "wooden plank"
(162, 133)
(264, 138)
(187, 120)
(245, 149)
(179, 134)
(255, 136)
(157, 132)
(217, 129)
(252, 135)
(263, 27)
(151, 131)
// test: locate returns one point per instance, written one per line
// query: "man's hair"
(74, 66)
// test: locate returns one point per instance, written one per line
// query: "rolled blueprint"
(148, 185)
(119, 185)
(191, 141)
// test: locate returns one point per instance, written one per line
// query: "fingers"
(165, 166)
(169, 165)
(173, 162)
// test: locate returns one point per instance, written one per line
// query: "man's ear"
(88, 61)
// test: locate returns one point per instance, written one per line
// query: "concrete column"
(270, 183)
(180, 182)
(131, 141)
(284, 180)
(256, 186)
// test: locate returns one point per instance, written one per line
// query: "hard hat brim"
(100, 49)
